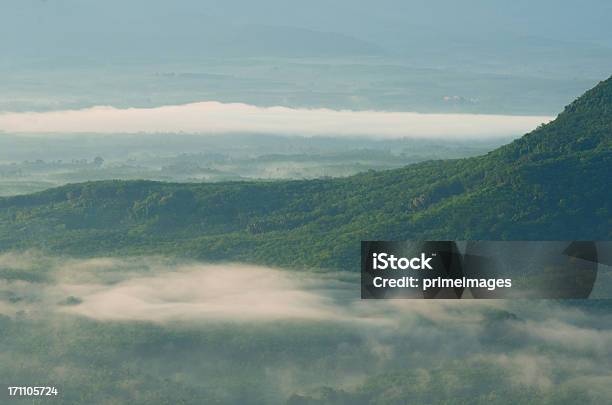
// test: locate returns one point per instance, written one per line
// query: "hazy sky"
(493, 56)
(391, 25)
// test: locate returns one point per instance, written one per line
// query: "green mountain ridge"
(551, 184)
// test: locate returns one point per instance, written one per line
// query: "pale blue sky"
(519, 57)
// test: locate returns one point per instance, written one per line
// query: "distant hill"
(62, 32)
(552, 184)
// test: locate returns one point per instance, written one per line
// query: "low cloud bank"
(214, 292)
(214, 118)
(208, 318)
(162, 290)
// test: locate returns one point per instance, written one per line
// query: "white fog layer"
(191, 322)
(221, 118)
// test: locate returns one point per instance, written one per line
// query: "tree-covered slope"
(553, 183)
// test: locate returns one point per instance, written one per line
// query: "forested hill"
(553, 183)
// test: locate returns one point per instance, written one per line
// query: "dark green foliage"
(551, 184)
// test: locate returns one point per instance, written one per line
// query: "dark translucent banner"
(486, 269)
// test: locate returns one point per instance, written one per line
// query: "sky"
(291, 67)
(535, 39)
